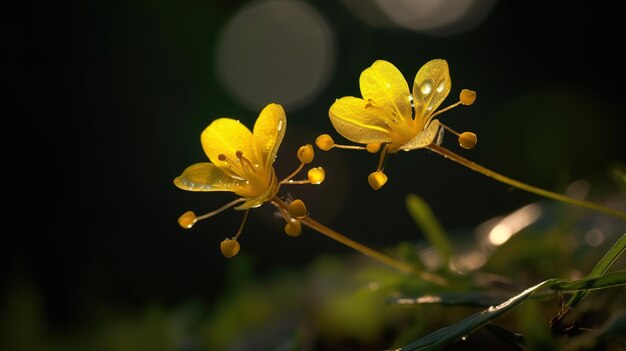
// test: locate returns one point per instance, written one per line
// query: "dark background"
(105, 102)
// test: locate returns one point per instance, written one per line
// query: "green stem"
(532, 189)
(377, 255)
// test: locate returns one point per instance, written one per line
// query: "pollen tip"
(306, 153)
(229, 247)
(297, 209)
(325, 142)
(316, 175)
(293, 228)
(377, 179)
(187, 219)
(467, 97)
(468, 140)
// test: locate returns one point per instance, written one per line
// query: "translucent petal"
(206, 176)
(424, 138)
(227, 136)
(359, 121)
(269, 131)
(431, 86)
(384, 85)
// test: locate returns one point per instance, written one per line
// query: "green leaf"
(429, 225)
(444, 336)
(601, 267)
(608, 280)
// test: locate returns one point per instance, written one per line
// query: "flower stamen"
(220, 210)
(243, 222)
(246, 164)
(466, 97)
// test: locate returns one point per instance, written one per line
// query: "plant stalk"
(523, 186)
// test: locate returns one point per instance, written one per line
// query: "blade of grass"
(608, 280)
(601, 267)
(442, 337)
(430, 226)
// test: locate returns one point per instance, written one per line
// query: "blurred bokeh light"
(275, 50)
(434, 17)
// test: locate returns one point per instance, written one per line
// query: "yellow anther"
(468, 140)
(324, 142)
(297, 209)
(239, 154)
(306, 153)
(187, 219)
(468, 97)
(316, 175)
(293, 228)
(373, 147)
(221, 157)
(229, 247)
(377, 179)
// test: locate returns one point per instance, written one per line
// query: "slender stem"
(305, 181)
(532, 189)
(293, 174)
(377, 255)
(219, 210)
(381, 161)
(349, 147)
(243, 222)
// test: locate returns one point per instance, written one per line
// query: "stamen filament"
(306, 181)
(532, 189)
(293, 174)
(381, 161)
(376, 255)
(243, 222)
(349, 147)
(441, 111)
(244, 161)
(450, 129)
(221, 209)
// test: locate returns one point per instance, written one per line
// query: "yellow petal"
(384, 85)
(431, 86)
(227, 136)
(269, 131)
(424, 138)
(206, 176)
(360, 121)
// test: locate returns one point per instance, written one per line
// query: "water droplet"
(426, 88)
(440, 88)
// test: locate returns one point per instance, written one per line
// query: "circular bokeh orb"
(278, 51)
(433, 17)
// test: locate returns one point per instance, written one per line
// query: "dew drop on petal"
(426, 88)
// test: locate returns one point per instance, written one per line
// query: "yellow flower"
(241, 161)
(390, 115)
